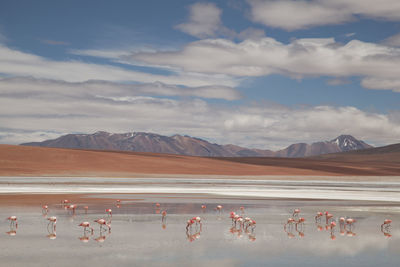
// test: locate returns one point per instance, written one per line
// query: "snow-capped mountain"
(186, 145)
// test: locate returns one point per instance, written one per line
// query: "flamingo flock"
(346, 225)
(294, 226)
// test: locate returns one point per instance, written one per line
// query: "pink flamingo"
(102, 223)
(296, 213)
(203, 207)
(333, 225)
(318, 216)
(232, 216)
(328, 216)
(252, 224)
(53, 221)
(350, 222)
(86, 209)
(13, 221)
(73, 208)
(65, 201)
(86, 225)
(109, 212)
(164, 215)
(189, 224)
(158, 205)
(219, 208)
(289, 223)
(45, 209)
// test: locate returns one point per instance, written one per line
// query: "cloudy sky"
(249, 72)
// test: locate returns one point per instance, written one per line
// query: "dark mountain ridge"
(186, 145)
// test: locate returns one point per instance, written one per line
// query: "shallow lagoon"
(139, 238)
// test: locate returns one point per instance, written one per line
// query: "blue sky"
(249, 72)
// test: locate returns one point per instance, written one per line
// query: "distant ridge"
(186, 145)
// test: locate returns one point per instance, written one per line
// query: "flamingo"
(73, 208)
(65, 201)
(350, 222)
(45, 209)
(109, 212)
(86, 209)
(86, 225)
(203, 207)
(386, 224)
(252, 224)
(289, 223)
(158, 205)
(189, 224)
(164, 215)
(52, 220)
(333, 224)
(296, 213)
(328, 216)
(232, 216)
(219, 208)
(301, 230)
(13, 221)
(198, 221)
(102, 223)
(318, 216)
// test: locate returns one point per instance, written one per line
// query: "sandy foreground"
(37, 161)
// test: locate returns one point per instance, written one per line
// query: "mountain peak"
(347, 142)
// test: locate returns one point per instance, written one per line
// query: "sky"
(256, 73)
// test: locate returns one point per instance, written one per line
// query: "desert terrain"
(38, 161)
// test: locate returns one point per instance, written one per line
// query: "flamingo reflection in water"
(386, 227)
(102, 237)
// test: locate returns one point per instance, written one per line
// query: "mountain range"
(186, 145)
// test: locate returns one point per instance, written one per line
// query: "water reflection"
(137, 228)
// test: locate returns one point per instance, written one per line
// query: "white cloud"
(44, 109)
(204, 20)
(52, 88)
(17, 63)
(300, 58)
(393, 40)
(294, 15)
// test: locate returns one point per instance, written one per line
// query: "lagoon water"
(139, 238)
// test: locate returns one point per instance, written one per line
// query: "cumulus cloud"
(17, 63)
(205, 21)
(294, 15)
(42, 108)
(300, 58)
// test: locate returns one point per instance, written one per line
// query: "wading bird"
(85, 226)
(102, 223)
(45, 209)
(164, 215)
(318, 217)
(296, 213)
(53, 221)
(13, 221)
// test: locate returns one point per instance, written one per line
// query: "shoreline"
(376, 190)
